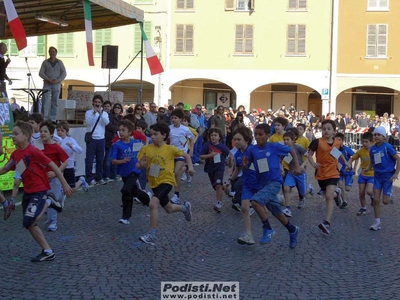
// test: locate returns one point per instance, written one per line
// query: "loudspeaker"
(3, 21)
(109, 57)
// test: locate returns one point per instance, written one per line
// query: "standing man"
(3, 66)
(201, 129)
(151, 116)
(53, 72)
(96, 119)
(219, 121)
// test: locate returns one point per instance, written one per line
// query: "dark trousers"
(95, 149)
(129, 190)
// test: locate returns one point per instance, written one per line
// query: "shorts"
(348, 180)
(297, 180)
(216, 178)
(32, 206)
(382, 182)
(161, 193)
(267, 196)
(180, 158)
(324, 183)
(69, 175)
(365, 179)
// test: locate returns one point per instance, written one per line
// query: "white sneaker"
(183, 177)
(338, 199)
(231, 194)
(189, 178)
(376, 226)
(124, 221)
(102, 182)
(108, 179)
(93, 183)
(287, 212)
(84, 184)
(175, 199)
(217, 207)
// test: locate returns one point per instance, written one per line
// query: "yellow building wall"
(214, 36)
(343, 103)
(352, 38)
(189, 91)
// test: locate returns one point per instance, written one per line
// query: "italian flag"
(88, 28)
(152, 59)
(15, 24)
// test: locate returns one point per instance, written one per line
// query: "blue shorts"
(365, 179)
(382, 182)
(348, 180)
(267, 196)
(32, 206)
(216, 178)
(297, 180)
(247, 192)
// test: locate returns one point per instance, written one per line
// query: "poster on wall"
(224, 99)
(6, 126)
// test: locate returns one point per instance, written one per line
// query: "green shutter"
(97, 43)
(102, 37)
(13, 50)
(41, 45)
(65, 43)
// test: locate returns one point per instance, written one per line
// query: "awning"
(105, 14)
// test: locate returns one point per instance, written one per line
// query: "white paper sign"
(336, 153)
(217, 158)
(137, 146)
(154, 170)
(263, 165)
(377, 158)
(288, 158)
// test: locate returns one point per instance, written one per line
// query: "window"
(377, 40)
(101, 37)
(378, 5)
(65, 44)
(296, 39)
(244, 39)
(137, 39)
(35, 46)
(244, 4)
(297, 5)
(184, 39)
(184, 4)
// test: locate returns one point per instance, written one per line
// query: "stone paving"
(98, 258)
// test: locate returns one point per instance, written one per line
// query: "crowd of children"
(265, 164)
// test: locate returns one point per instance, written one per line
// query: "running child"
(70, 146)
(186, 122)
(386, 164)
(124, 156)
(159, 161)
(365, 179)
(265, 157)
(30, 161)
(327, 154)
(215, 155)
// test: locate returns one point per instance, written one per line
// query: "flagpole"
(141, 66)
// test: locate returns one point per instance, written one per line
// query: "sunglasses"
(153, 106)
(139, 109)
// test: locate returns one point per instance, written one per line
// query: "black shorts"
(324, 183)
(161, 193)
(69, 175)
(216, 178)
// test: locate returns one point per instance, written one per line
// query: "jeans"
(50, 105)
(95, 149)
(108, 167)
(197, 149)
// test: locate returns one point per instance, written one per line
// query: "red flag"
(15, 24)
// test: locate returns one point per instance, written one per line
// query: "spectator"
(363, 120)
(151, 116)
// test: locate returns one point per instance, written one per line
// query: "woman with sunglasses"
(115, 116)
(138, 112)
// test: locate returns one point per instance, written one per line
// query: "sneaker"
(293, 238)
(54, 202)
(189, 178)
(188, 212)
(107, 179)
(338, 198)
(312, 190)
(301, 204)
(267, 236)
(175, 199)
(148, 239)
(246, 239)
(84, 184)
(217, 207)
(376, 226)
(44, 257)
(124, 221)
(196, 164)
(231, 194)
(287, 212)
(183, 177)
(118, 178)
(320, 192)
(150, 195)
(8, 209)
(236, 206)
(102, 182)
(324, 227)
(93, 183)
(251, 211)
(52, 228)
(137, 200)
(362, 211)
(344, 205)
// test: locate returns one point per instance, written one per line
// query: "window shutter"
(301, 39)
(179, 39)
(291, 39)
(61, 43)
(382, 40)
(302, 4)
(229, 4)
(70, 43)
(180, 4)
(41, 47)
(239, 39)
(251, 4)
(148, 29)
(248, 35)
(189, 41)
(97, 43)
(372, 3)
(371, 40)
(13, 48)
(189, 4)
(292, 4)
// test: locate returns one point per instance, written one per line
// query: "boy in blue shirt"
(384, 160)
(346, 176)
(124, 155)
(266, 160)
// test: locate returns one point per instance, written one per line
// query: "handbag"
(88, 135)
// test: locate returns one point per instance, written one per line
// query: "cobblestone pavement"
(98, 258)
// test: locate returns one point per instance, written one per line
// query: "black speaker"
(109, 57)
(3, 21)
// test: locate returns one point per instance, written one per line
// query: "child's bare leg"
(219, 190)
(329, 195)
(178, 174)
(286, 194)
(246, 215)
(361, 194)
(154, 203)
(377, 200)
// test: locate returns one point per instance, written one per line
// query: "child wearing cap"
(386, 164)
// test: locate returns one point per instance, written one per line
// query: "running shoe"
(375, 226)
(267, 236)
(312, 190)
(175, 199)
(148, 239)
(338, 198)
(301, 204)
(43, 256)
(84, 184)
(124, 221)
(218, 207)
(324, 227)
(188, 212)
(362, 211)
(246, 239)
(293, 238)
(287, 212)
(8, 209)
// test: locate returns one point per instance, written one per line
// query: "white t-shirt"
(179, 137)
